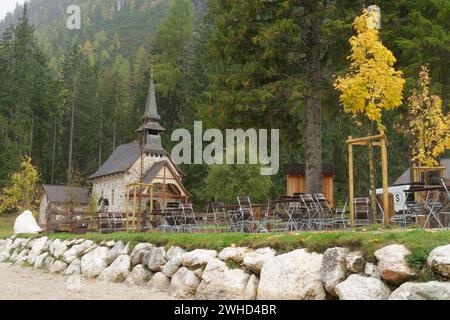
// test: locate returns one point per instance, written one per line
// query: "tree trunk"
(373, 195)
(54, 149)
(72, 124)
(313, 146)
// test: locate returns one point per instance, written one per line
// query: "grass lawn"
(419, 241)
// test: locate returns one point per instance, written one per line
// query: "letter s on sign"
(74, 20)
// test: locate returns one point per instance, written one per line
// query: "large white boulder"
(334, 268)
(172, 266)
(26, 223)
(118, 271)
(139, 251)
(255, 260)
(140, 275)
(155, 258)
(432, 290)
(57, 267)
(222, 283)
(355, 262)
(251, 290)
(77, 251)
(392, 264)
(292, 276)
(5, 249)
(439, 260)
(118, 249)
(234, 253)
(358, 287)
(93, 263)
(184, 284)
(39, 261)
(197, 258)
(73, 268)
(174, 251)
(37, 249)
(159, 283)
(371, 270)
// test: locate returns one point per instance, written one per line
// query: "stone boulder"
(26, 223)
(355, 262)
(432, 290)
(172, 266)
(155, 258)
(184, 284)
(292, 276)
(59, 249)
(48, 261)
(174, 252)
(254, 261)
(159, 283)
(234, 253)
(5, 249)
(140, 275)
(39, 261)
(93, 263)
(371, 270)
(392, 264)
(118, 249)
(358, 287)
(19, 254)
(73, 268)
(118, 271)
(251, 290)
(222, 283)
(77, 251)
(197, 258)
(57, 266)
(439, 260)
(139, 251)
(37, 249)
(334, 268)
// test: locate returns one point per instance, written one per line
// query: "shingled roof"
(120, 160)
(66, 194)
(299, 168)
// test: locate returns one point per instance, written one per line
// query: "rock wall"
(235, 272)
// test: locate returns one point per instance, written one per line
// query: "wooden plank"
(350, 182)
(384, 169)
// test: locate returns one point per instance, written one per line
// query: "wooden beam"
(384, 169)
(350, 183)
(376, 137)
(364, 143)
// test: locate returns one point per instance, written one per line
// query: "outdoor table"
(429, 204)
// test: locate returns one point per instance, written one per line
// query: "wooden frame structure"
(137, 194)
(376, 140)
(418, 170)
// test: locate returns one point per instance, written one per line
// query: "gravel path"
(26, 283)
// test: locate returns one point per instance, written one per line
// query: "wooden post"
(384, 169)
(134, 207)
(350, 183)
(127, 209)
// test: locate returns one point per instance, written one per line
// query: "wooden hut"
(296, 180)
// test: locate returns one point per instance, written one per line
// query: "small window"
(112, 197)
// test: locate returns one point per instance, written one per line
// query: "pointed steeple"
(151, 128)
(151, 110)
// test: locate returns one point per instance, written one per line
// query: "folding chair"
(326, 212)
(188, 217)
(340, 216)
(308, 214)
(246, 213)
(362, 211)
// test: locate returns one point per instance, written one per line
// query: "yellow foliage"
(21, 193)
(428, 127)
(372, 83)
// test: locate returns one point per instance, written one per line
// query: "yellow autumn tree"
(428, 127)
(371, 85)
(22, 192)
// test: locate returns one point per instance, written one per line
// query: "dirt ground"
(26, 283)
